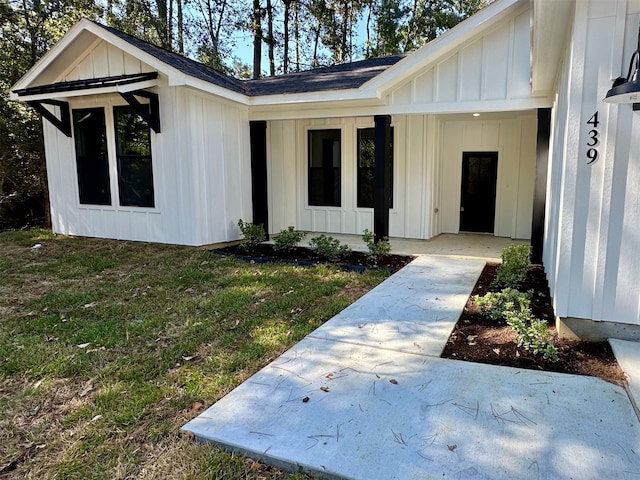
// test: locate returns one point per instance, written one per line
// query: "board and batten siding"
(201, 163)
(103, 59)
(489, 72)
(592, 237)
(515, 141)
(427, 174)
(287, 177)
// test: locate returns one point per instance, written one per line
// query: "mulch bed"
(358, 261)
(476, 338)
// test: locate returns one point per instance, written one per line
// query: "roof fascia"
(368, 108)
(309, 97)
(451, 39)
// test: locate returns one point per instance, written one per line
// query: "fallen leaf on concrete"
(394, 381)
(305, 399)
(324, 389)
(452, 447)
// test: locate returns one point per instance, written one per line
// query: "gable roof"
(335, 77)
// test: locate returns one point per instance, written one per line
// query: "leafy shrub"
(515, 263)
(287, 239)
(253, 234)
(532, 334)
(329, 247)
(494, 305)
(376, 249)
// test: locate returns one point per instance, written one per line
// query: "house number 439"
(593, 139)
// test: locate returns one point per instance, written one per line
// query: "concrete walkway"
(366, 396)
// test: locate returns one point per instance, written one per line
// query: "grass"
(108, 347)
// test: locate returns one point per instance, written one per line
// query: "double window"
(132, 156)
(324, 156)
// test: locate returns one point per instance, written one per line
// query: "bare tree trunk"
(270, 39)
(256, 27)
(368, 27)
(180, 28)
(285, 47)
(42, 165)
(296, 33)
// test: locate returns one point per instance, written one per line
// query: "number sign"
(593, 139)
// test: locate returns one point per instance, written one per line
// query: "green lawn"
(108, 347)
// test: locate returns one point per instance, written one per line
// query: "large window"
(366, 162)
(324, 167)
(133, 154)
(92, 161)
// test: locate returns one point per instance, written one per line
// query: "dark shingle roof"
(336, 77)
(185, 65)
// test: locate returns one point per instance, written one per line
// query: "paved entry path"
(366, 396)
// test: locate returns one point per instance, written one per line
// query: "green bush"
(494, 305)
(376, 249)
(252, 234)
(287, 239)
(532, 334)
(515, 263)
(329, 248)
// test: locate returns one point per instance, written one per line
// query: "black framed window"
(366, 162)
(133, 154)
(324, 167)
(92, 162)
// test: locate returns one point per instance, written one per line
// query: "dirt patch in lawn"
(476, 338)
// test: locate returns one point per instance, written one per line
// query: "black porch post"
(382, 140)
(258, 140)
(540, 189)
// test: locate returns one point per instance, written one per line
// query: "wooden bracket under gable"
(63, 123)
(152, 114)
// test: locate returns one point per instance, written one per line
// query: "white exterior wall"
(201, 165)
(515, 141)
(287, 177)
(592, 238)
(489, 72)
(427, 174)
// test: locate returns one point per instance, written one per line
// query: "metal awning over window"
(75, 85)
(128, 86)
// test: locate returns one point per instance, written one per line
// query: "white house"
(497, 126)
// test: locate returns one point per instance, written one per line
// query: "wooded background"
(285, 35)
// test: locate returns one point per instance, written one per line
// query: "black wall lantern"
(627, 89)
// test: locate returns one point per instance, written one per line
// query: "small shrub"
(376, 249)
(494, 305)
(515, 263)
(329, 247)
(287, 239)
(252, 234)
(532, 334)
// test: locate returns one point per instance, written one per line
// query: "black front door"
(478, 197)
